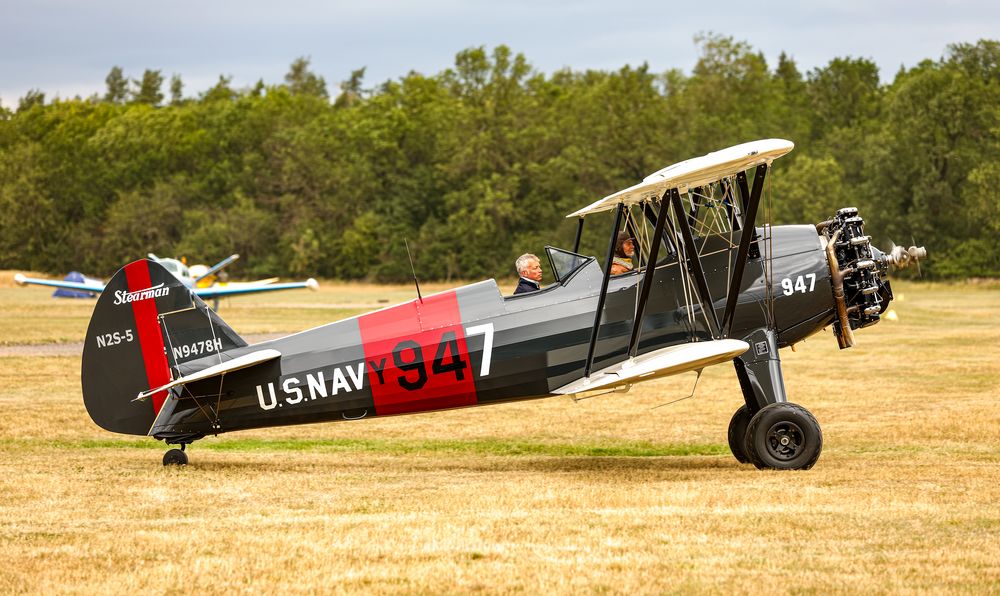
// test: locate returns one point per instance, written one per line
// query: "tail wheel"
(175, 457)
(783, 436)
(738, 434)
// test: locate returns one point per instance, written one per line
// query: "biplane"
(708, 287)
(202, 280)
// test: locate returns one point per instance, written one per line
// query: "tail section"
(146, 327)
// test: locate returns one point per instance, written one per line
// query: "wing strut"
(694, 261)
(741, 183)
(604, 290)
(750, 203)
(579, 234)
(647, 278)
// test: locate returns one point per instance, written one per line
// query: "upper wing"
(94, 286)
(220, 291)
(697, 171)
(664, 362)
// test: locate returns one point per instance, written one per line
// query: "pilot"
(530, 269)
(624, 251)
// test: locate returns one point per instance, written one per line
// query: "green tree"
(808, 190)
(350, 90)
(117, 85)
(148, 89)
(32, 98)
(480, 163)
(221, 91)
(937, 135)
(176, 90)
(302, 81)
(843, 94)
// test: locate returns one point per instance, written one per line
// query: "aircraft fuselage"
(471, 346)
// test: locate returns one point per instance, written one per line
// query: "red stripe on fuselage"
(147, 327)
(417, 358)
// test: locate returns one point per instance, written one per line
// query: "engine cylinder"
(861, 269)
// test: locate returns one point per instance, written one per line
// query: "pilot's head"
(624, 246)
(529, 267)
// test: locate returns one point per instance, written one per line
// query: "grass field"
(553, 496)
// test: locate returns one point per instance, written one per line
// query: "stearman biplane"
(202, 280)
(708, 287)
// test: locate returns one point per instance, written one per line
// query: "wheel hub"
(785, 440)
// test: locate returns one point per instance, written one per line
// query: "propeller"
(901, 258)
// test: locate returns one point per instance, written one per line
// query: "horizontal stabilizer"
(245, 361)
(660, 363)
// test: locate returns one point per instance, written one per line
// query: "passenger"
(624, 251)
(530, 269)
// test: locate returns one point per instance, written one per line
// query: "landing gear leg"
(778, 435)
(176, 457)
(759, 371)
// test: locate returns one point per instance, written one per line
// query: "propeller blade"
(215, 268)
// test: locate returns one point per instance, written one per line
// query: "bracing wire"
(211, 325)
(689, 396)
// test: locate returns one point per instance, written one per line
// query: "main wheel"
(783, 436)
(738, 434)
(175, 457)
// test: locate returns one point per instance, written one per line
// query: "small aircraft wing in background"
(252, 287)
(93, 286)
(211, 290)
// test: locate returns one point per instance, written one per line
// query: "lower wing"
(658, 363)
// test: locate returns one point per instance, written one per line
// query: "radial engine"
(860, 271)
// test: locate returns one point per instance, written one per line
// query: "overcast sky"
(66, 48)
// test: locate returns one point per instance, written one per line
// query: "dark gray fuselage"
(426, 356)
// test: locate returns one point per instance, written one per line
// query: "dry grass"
(604, 495)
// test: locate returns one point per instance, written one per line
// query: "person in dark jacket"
(530, 269)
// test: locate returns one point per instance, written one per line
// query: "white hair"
(522, 262)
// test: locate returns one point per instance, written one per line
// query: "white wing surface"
(697, 171)
(659, 363)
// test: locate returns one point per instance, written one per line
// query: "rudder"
(146, 326)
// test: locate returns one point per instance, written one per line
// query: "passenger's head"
(624, 245)
(529, 267)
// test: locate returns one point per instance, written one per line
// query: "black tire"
(738, 434)
(175, 457)
(783, 436)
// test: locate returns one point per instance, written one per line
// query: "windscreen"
(564, 263)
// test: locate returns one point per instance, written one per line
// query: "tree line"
(481, 162)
